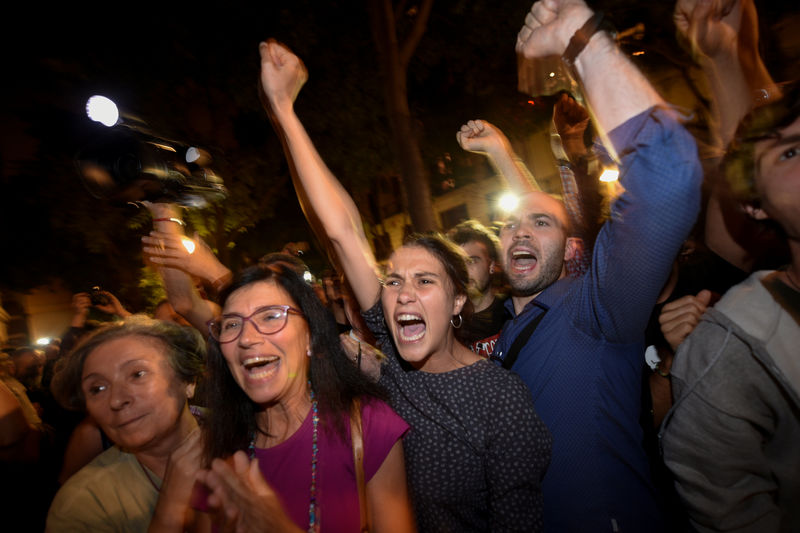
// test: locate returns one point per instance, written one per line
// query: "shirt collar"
(547, 298)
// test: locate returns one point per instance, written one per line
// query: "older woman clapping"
(135, 379)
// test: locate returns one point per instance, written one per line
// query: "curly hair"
(184, 347)
(335, 380)
(739, 165)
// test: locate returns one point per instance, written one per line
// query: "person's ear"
(458, 303)
(573, 247)
(491, 267)
(190, 390)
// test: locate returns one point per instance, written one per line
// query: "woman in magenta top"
(281, 390)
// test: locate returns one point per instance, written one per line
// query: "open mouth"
(522, 261)
(259, 367)
(412, 327)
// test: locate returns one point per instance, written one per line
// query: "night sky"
(190, 72)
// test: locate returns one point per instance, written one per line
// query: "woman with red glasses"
(281, 395)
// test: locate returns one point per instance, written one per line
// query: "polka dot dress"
(476, 451)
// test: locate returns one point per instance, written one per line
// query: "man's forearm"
(614, 88)
(513, 169)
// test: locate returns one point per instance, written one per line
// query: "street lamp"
(508, 202)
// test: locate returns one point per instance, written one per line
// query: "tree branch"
(417, 31)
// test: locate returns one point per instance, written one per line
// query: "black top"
(476, 451)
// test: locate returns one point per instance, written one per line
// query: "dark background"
(190, 72)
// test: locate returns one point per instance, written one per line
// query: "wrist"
(280, 108)
(574, 21)
(223, 280)
(600, 44)
(174, 220)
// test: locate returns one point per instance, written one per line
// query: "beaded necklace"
(312, 505)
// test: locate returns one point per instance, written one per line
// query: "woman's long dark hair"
(335, 380)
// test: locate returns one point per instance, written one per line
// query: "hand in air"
(282, 76)
(192, 256)
(549, 26)
(712, 26)
(481, 137)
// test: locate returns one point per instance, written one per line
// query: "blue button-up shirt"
(583, 363)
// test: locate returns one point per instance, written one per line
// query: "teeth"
(521, 253)
(254, 362)
(408, 318)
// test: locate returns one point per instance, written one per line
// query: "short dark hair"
(335, 380)
(739, 165)
(454, 261)
(472, 230)
(185, 351)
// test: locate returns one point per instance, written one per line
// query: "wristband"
(170, 219)
(581, 38)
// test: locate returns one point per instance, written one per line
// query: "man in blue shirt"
(583, 361)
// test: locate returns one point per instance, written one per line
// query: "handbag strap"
(519, 342)
(358, 460)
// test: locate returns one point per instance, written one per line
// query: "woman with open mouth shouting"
(282, 388)
(476, 451)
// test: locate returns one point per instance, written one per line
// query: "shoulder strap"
(519, 342)
(358, 462)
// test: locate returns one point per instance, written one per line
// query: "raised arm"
(166, 251)
(548, 29)
(482, 137)
(724, 38)
(659, 167)
(327, 205)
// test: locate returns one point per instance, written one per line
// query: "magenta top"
(287, 467)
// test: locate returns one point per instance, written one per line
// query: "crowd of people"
(579, 367)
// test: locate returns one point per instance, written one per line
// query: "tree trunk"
(394, 62)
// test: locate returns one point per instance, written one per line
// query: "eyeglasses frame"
(287, 310)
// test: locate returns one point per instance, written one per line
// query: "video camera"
(127, 163)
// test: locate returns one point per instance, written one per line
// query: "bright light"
(308, 277)
(508, 202)
(43, 341)
(188, 244)
(552, 74)
(609, 175)
(102, 110)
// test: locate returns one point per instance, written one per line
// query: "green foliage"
(151, 289)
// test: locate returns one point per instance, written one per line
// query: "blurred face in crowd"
(29, 367)
(133, 393)
(479, 266)
(270, 368)
(419, 301)
(778, 178)
(533, 240)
